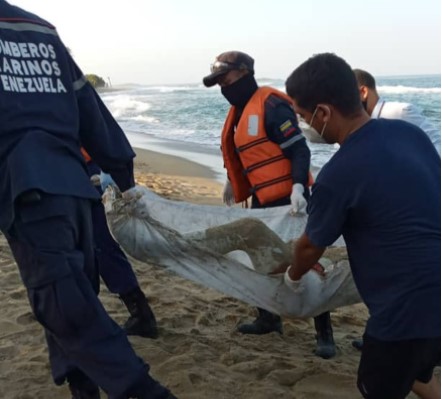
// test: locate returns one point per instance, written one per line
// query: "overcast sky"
(174, 41)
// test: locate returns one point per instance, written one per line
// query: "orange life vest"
(86, 156)
(255, 164)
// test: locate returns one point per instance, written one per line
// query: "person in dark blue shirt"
(381, 192)
(47, 108)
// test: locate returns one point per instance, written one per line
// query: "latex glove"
(294, 285)
(311, 281)
(106, 180)
(228, 197)
(299, 203)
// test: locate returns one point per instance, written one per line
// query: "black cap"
(228, 61)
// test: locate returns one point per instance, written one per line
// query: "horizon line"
(268, 78)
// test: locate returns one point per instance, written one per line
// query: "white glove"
(294, 285)
(228, 197)
(299, 204)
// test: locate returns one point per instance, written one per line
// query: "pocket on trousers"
(66, 304)
(34, 206)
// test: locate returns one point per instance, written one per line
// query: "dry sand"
(198, 354)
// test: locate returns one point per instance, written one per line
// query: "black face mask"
(240, 92)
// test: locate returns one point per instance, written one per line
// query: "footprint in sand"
(26, 319)
(8, 352)
(18, 294)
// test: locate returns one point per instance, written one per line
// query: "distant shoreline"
(203, 156)
(259, 79)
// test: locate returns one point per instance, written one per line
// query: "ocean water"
(186, 120)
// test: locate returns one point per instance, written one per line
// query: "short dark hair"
(324, 78)
(364, 78)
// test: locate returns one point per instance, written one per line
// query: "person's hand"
(228, 197)
(95, 180)
(106, 180)
(294, 285)
(133, 194)
(299, 203)
(280, 269)
(318, 268)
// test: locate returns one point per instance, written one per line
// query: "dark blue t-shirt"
(381, 191)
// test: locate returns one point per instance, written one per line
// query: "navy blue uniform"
(113, 266)
(47, 108)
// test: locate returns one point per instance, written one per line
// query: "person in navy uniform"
(267, 158)
(47, 108)
(115, 269)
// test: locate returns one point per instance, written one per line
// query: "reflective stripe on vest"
(255, 164)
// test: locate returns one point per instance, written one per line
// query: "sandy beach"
(198, 354)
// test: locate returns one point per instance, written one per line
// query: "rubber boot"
(325, 344)
(142, 320)
(265, 323)
(81, 386)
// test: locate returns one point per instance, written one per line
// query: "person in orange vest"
(267, 158)
(115, 269)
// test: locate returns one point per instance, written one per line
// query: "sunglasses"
(225, 66)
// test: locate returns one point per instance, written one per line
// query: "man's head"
(233, 71)
(229, 67)
(367, 89)
(325, 95)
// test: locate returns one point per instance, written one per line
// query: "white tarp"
(193, 241)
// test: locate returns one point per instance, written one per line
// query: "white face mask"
(310, 133)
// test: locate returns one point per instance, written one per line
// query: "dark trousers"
(113, 266)
(52, 242)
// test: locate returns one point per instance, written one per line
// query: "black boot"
(81, 386)
(142, 320)
(265, 323)
(325, 344)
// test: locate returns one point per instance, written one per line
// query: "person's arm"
(282, 128)
(327, 211)
(100, 134)
(305, 256)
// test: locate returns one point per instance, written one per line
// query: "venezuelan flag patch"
(287, 128)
